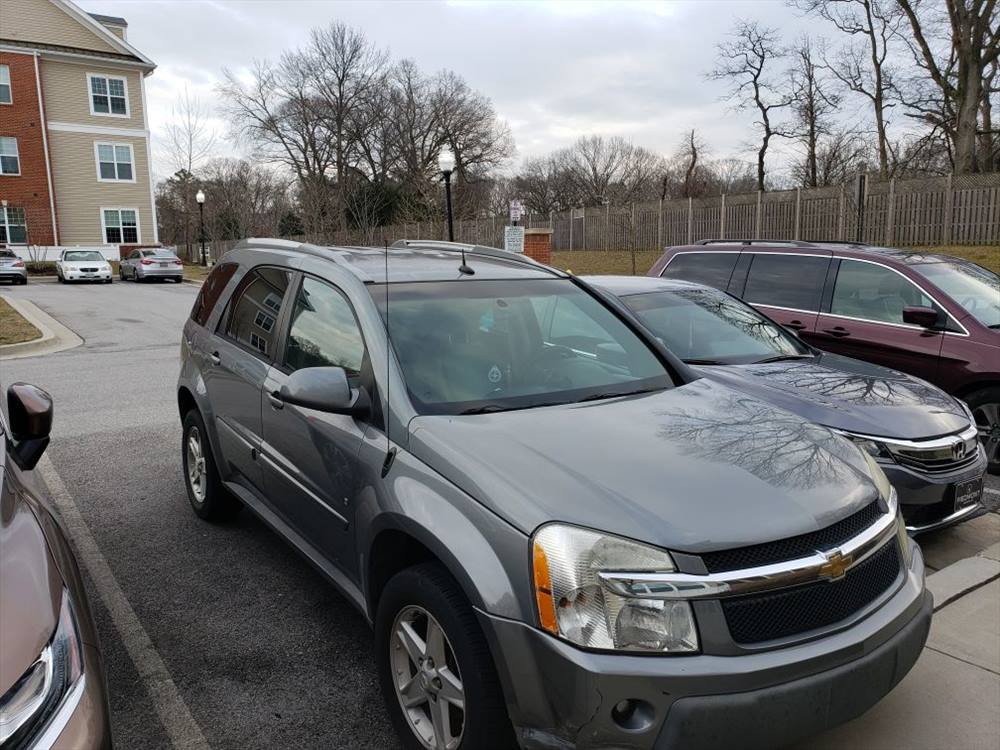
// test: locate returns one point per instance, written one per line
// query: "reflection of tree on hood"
(857, 389)
(773, 445)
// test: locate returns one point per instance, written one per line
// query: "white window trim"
(104, 229)
(17, 153)
(6, 225)
(97, 160)
(9, 85)
(90, 96)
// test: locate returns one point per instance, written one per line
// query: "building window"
(108, 95)
(10, 162)
(114, 162)
(5, 84)
(121, 226)
(13, 227)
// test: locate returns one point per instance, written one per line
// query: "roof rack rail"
(744, 241)
(482, 250)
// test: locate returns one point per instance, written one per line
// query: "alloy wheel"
(427, 679)
(197, 474)
(988, 423)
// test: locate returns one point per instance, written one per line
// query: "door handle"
(214, 358)
(797, 325)
(837, 332)
(275, 399)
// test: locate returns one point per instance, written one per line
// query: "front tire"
(437, 676)
(985, 405)
(209, 498)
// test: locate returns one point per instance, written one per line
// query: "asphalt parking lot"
(242, 633)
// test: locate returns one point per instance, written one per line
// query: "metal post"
(798, 214)
(690, 221)
(447, 202)
(201, 231)
(860, 194)
(757, 218)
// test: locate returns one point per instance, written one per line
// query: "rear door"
(239, 355)
(865, 319)
(787, 287)
(310, 458)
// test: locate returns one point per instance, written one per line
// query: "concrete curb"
(959, 578)
(55, 336)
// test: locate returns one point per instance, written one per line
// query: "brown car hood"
(30, 587)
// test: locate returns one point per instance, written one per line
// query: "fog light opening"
(633, 715)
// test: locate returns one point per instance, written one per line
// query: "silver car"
(83, 265)
(151, 263)
(562, 536)
(12, 268)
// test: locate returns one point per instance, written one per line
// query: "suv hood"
(849, 395)
(695, 468)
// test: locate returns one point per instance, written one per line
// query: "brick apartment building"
(74, 140)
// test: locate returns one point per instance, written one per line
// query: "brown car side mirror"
(29, 410)
(925, 317)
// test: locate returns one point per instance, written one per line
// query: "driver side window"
(873, 292)
(324, 332)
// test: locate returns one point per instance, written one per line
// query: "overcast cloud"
(555, 71)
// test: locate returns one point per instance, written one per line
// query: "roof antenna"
(390, 452)
(464, 268)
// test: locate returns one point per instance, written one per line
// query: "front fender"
(487, 556)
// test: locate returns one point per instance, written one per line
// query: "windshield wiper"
(493, 408)
(994, 326)
(702, 362)
(615, 394)
(782, 358)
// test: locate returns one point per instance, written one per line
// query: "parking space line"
(176, 718)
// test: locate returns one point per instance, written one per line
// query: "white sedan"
(83, 265)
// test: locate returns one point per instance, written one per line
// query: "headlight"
(878, 477)
(41, 688)
(573, 604)
(869, 446)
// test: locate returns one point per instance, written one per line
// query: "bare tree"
(958, 68)
(863, 64)
(813, 105)
(746, 61)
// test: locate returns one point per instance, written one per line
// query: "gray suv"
(561, 536)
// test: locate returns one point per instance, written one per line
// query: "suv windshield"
(83, 255)
(975, 288)
(706, 326)
(479, 346)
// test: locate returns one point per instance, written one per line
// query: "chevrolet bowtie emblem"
(836, 565)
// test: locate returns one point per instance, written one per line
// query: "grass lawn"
(13, 327)
(583, 262)
(194, 272)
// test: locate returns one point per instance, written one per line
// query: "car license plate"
(968, 493)
(164, 265)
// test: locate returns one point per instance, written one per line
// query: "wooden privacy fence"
(959, 210)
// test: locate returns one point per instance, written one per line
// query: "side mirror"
(29, 410)
(323, 389)
(925, 317)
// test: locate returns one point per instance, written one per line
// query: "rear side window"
(210, 291)
(793, 281)
(324, 332)
(255, 308)
(711, 269)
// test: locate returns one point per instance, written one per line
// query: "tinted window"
(257, 303)
(794, 281)
(324, 332)
(710, 326)
(210, 292)
(871, 292)
(496, 345)
(711, 269)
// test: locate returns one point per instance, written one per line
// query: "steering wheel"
(549, 355)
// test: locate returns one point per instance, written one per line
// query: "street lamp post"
(446, 163)
(200, 197)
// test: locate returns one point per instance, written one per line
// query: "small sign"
(516, 211)
(513, 239)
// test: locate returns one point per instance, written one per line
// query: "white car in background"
(83, 265)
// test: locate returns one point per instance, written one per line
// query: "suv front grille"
(765, 617)
(793, 547)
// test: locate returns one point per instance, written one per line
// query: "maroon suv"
(933, 316)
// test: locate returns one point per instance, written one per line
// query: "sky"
(554, 70)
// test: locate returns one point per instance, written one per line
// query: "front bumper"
(82, 721)
(560, 696)
(80, 276)
(928, 500)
